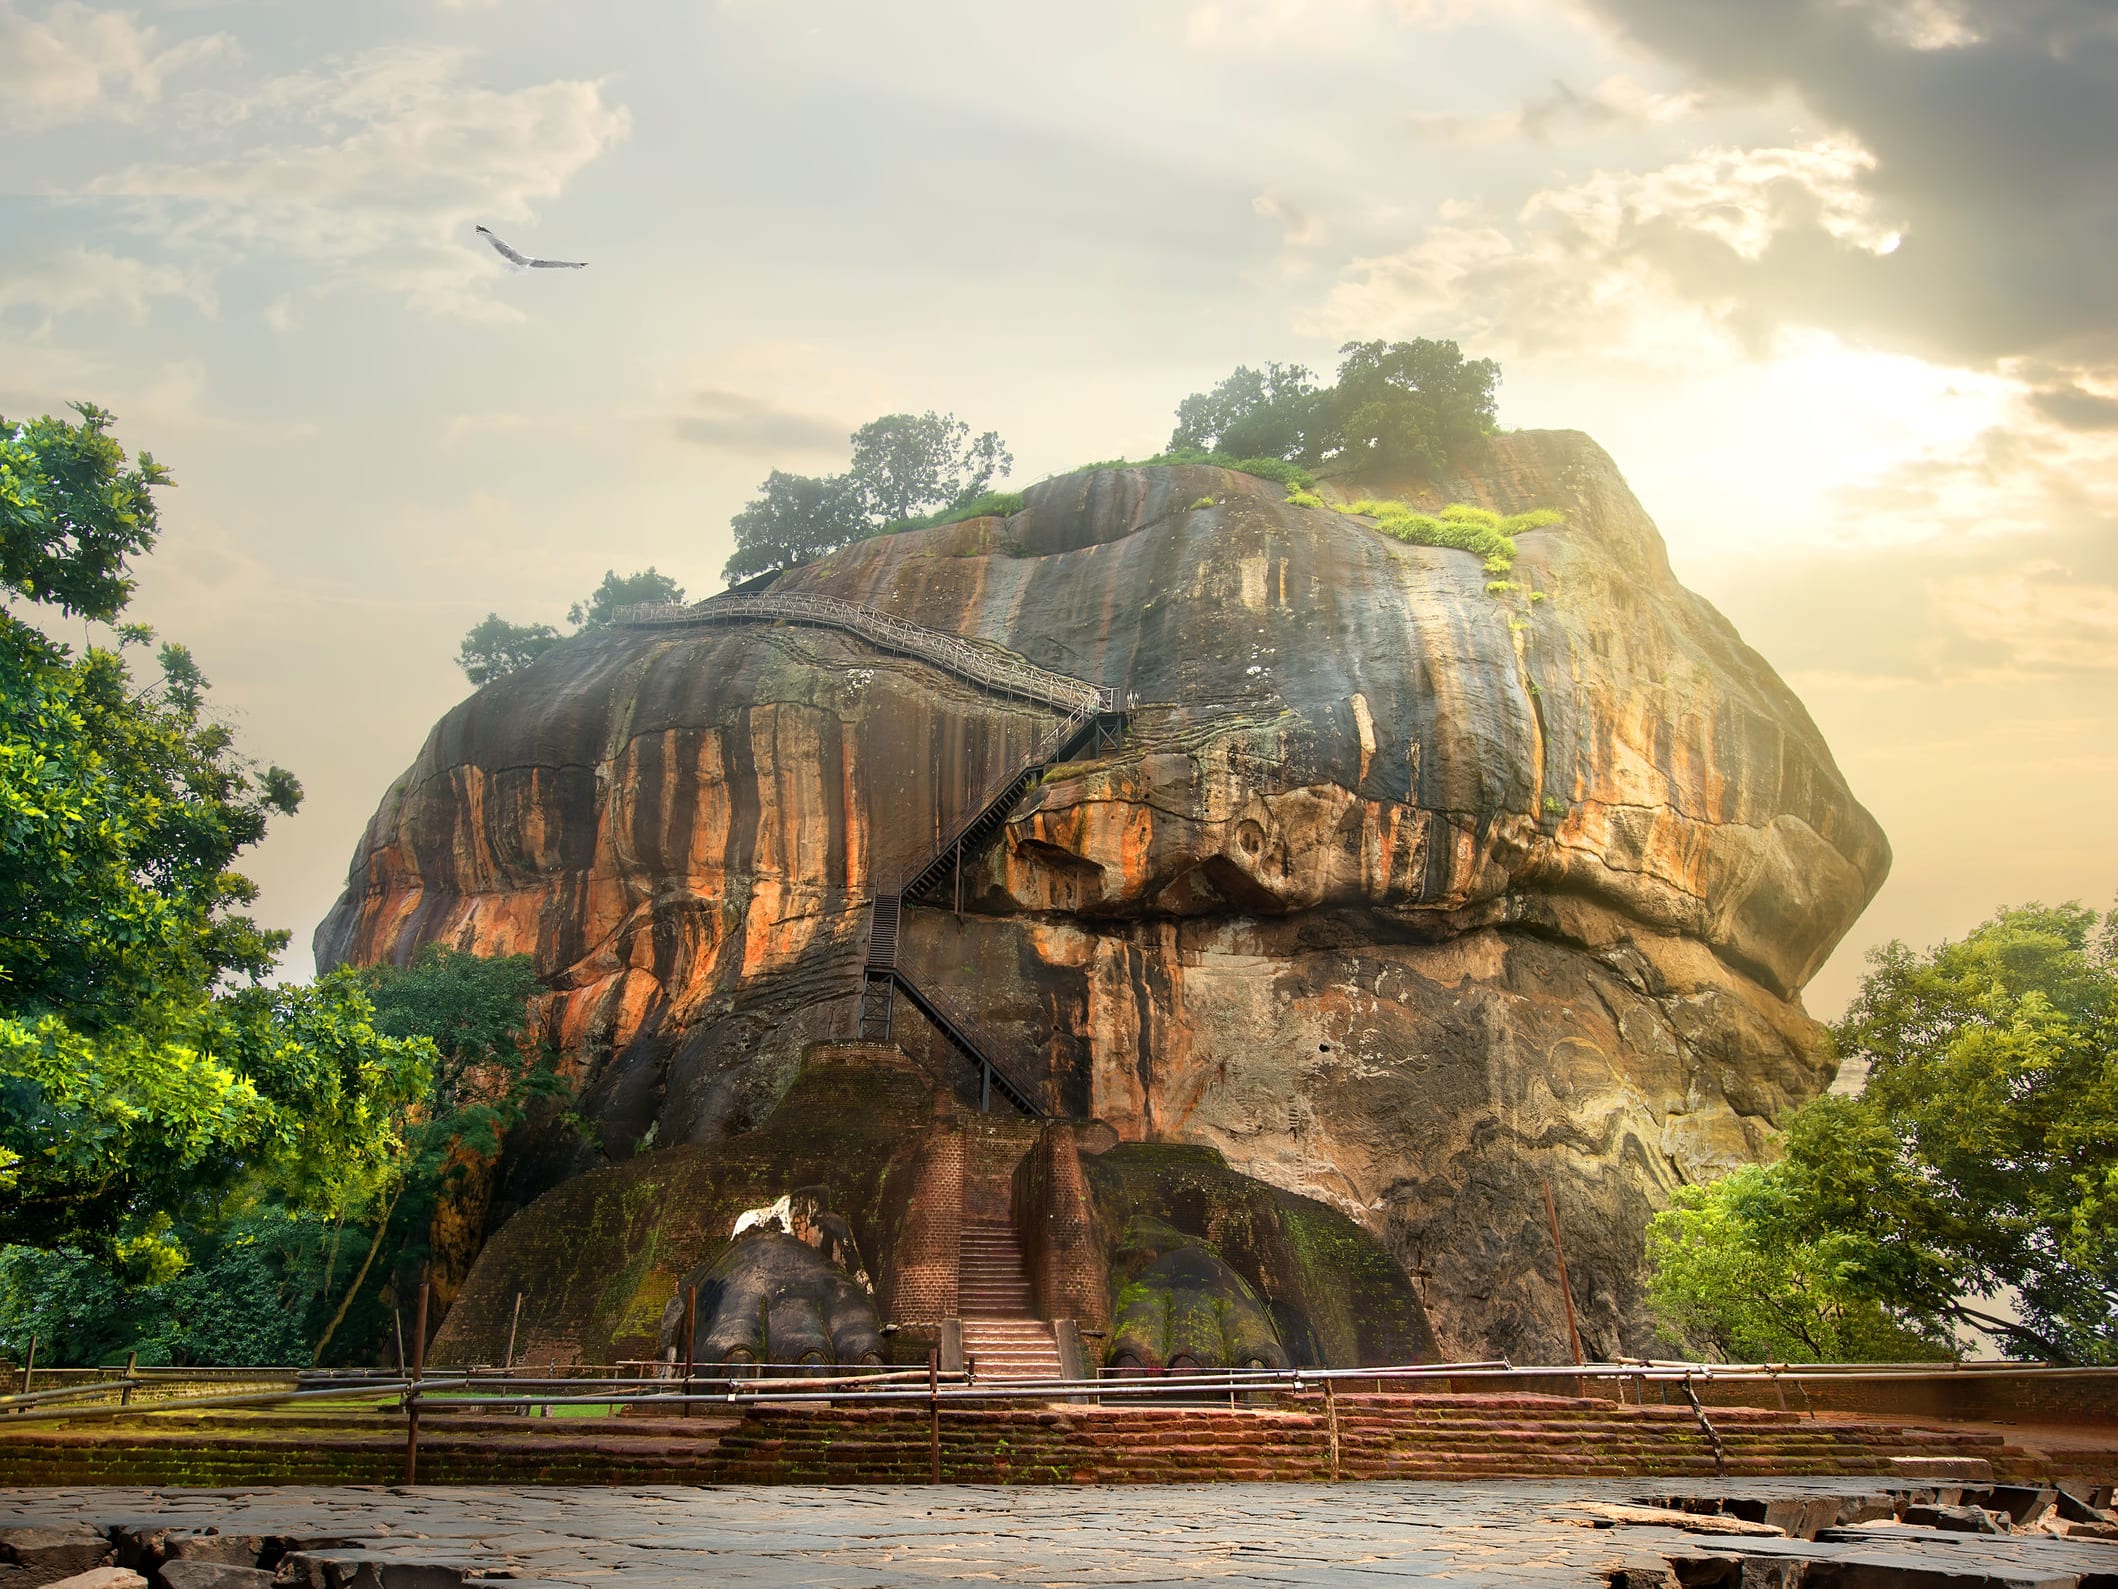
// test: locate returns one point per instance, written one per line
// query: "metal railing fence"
(655, 1384)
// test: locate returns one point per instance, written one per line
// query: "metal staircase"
(1093, 713)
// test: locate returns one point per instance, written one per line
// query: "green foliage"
(1409, 405)
(1287, 474)
(1292, 475)
(496, 648)
(1202, 502)
(1304, 499)
(248, 1297)
(145, 1074)
(905, 464)
(1401, 405)
(1983, 1155)
(475, 1011)
(909, 472)
(1460, 525)
(491, 1074)
(986, 505)
(633, 590)
(72, 512)
(1725, 1289)
(1252, 413)
(794, 519)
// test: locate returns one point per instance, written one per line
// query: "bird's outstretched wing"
(524, 262)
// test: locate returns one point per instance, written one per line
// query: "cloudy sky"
(1836, 281)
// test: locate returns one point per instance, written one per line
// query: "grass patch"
(1460, 525)
(1203, 502)
(1276, 469)
(992, 505)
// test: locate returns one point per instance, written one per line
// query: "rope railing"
(993, 670)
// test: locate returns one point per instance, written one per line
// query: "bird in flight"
(517, 261)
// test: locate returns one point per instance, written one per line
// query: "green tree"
(475, 1010)
(1269, 413)
(794, 519)
(73, 510)
(1981, 1159)
(145, 1070)
(601, 608)
(907, 464)
(1730, 1284)
(1409, 405)
(496, 648)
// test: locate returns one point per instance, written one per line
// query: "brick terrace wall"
(919, 1283)
(1056, 1221)
(2075, 1396)
(1395, 1437)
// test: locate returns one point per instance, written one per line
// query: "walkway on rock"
(1091, 711)
(990, 668)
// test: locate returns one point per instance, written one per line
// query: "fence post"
(933, 1415)
(1566, 1289)
(691, 1327)
(125, 1396)
(29, 1365)
(514, 1319)
(419, 1363)
(1331, 1418)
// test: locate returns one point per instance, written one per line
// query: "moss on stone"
(1335, 1296)
(596, 1259)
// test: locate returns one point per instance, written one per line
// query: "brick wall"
(1998, 1395)
(924, 1212)
(1056, 1222)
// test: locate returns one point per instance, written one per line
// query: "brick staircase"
(1002, 1336)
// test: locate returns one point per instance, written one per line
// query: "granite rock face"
(1404, 895)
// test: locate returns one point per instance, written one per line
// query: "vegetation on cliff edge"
(496, 647)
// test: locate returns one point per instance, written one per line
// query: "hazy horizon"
(1828, 278)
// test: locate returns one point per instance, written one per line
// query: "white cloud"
(2047, 620)
(1598, 262)
(376, 170)
(76, 279)
(1248, 25)
(73, 61)
(1617, 103)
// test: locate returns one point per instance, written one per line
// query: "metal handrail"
(738, 1385)
(1004, 674)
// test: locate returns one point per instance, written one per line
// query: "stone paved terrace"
(1515, 1533)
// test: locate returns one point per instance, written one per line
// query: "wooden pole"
(1566, 1289)
(397, 1323)
(29, 1366)
(513, 1319)
(933, 1415)
(419, 1364)
(132, 1361)
(1331, 1418)
(691, 1337)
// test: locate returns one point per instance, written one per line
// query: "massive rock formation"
(1402, 894)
